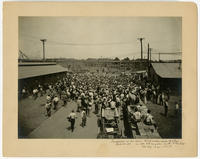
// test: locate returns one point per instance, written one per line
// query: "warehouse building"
(31, 74)
(167, 75)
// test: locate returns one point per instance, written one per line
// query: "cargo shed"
(167, 75)
(32, 74)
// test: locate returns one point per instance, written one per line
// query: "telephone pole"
(150, 49)
(43, 44)
(148, 64)
(141, 47)
(148, 53)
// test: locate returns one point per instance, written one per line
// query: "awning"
(34, 71)
(167, 70)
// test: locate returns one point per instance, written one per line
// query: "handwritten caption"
(149, 143)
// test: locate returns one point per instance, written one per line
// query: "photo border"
(12, 146)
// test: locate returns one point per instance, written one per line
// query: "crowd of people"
(100, 91)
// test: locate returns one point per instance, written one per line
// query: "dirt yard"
(171, 126)
(31, 113)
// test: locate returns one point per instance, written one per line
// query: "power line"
(89, 44)
(77, 43)
(53, 42)
(167, 53)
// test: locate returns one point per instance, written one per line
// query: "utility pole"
(148, 53)
(148, 67)
(141, 47)
(43, 44)
(150, 49)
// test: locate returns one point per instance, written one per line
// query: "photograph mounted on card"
(100, 73)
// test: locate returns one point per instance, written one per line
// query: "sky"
(100, 37)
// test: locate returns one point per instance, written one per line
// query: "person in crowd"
(162, 101)
(145, 96)
(136, 116)
(35, 93)
(154, 96)
(168, 93)
(176, 109)
(55, 102)
(68, 95)
(72, 117)
(158, 98)
(96, 103)
(112, 104)
(79, 106)
(64, 98)
(48, 108)
(83, 117)
(48, 98)
(166, 107)
(149, 119)
(90, 103)
(40, 90)
(24, 93)
(86, 105)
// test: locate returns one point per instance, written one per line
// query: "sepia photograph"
(96, 77)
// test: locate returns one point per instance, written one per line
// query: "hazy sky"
(95, 37)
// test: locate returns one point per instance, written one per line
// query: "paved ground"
(31, 113)
(34, 124)
(32, 120)
(57, 126)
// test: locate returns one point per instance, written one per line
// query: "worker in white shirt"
(24, 93)
(112, 104)
(176, 109)
(48, 98)
(149, 120)
(55, 102)
(72, 117)
(35, 93)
